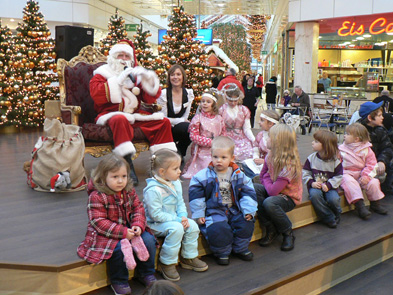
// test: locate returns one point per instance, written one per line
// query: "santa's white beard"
(118, 65)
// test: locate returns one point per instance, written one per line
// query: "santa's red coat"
(156, 131)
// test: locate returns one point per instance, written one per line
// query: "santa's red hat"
(124, 46)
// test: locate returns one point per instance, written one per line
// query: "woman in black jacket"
(251, 95)
(271, 92)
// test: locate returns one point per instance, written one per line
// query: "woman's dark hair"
(171, 70)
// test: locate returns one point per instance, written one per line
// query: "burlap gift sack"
(61, 149)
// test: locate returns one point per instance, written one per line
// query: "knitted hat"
(124, 46)
(368, 107)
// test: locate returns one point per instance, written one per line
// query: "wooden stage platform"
(40, 232)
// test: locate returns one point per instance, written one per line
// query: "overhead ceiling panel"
(202, 7)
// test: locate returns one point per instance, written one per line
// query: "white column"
(306, 55)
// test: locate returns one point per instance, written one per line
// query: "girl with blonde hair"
(281, 177)
(166, 215)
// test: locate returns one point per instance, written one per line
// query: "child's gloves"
(139, 248)
(128, 255)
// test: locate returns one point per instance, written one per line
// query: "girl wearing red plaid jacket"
(115, 213)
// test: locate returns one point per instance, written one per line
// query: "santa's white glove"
(147, 79)
(124, 76)
(140, 73)
(128, 84)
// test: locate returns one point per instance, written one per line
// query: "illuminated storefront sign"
(347, 47)
(378, 26)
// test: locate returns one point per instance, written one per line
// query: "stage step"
(80, 277)
(375, 280)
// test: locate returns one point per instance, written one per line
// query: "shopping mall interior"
(49, 50)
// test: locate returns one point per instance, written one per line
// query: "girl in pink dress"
(269, 118)
(359, 164)
(205, 125)
(237, 122)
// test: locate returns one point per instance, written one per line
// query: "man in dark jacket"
(300, 99)
(387, 101)
(372, 119)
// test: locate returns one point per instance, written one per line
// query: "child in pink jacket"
(359, 164)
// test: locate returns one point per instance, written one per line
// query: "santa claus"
(118, 89)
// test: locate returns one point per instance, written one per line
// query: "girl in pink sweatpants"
(359, 164)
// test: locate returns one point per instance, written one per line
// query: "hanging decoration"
(256, 33)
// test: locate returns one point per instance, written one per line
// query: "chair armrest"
(74, 112)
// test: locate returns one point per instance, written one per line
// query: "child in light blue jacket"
(166, 215)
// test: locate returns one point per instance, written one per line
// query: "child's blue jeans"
(117, 270)
(326, 204)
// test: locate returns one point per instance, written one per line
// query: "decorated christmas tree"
(234, 44)
(31, 69)
(145, 57)
(180, 47)
(143, 50)
(116, 32)
(5, 51)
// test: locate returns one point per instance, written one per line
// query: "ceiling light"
(389, 34)
(221, 4)
(366, 35)
(359, 38)
(12, 20)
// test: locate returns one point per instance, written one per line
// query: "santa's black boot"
(133, 176)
